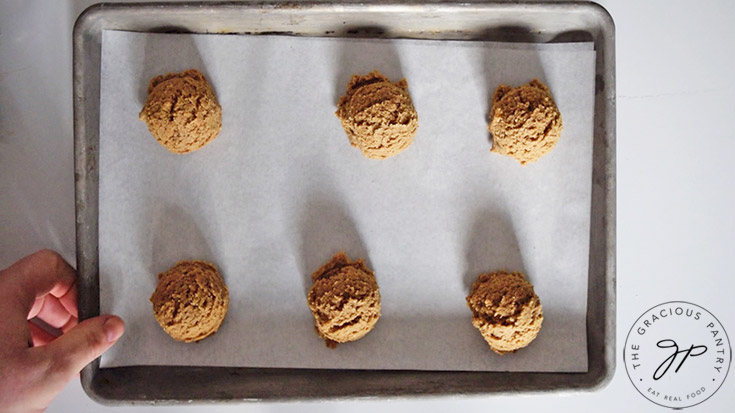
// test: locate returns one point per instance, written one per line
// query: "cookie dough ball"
(524, 121)
(505, 310)
(190, 301)
(344, 299)
(377, 115)
(181, 111)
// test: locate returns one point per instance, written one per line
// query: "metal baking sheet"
(526, 22)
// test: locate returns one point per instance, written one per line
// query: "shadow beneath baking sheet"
(176, 237)
(491, 246)
(325, 229)
(181, 54)
(367, 51)
(495, 71)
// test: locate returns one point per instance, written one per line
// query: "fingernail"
(113, 328)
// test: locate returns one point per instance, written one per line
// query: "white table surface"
(675, 221)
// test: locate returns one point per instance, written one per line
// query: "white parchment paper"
(281, 190)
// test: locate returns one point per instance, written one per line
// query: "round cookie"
(506, 310)
(181, 111)
(377, 115)
(190, 301)
(524, 121)
(344, 299)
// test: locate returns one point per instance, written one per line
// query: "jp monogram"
(677, 354)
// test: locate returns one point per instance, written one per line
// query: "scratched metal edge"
(85, 86)
(181, 384)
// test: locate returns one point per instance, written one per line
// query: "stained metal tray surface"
(539, 22)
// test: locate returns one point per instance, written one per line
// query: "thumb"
(84, 343)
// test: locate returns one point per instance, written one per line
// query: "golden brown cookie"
(524, 121)
(377, 115)
(190, 301)
(506, 310)
(181, 111)
(344, 299)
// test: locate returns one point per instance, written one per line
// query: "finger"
(20, 284)
(69, 300)
(36, 308)
(53, 313)
(36, 275)
(40, 336)
(72, 351)
(69, 325)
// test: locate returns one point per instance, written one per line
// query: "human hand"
(34, 365)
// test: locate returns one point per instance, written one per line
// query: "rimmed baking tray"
(497, 21)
